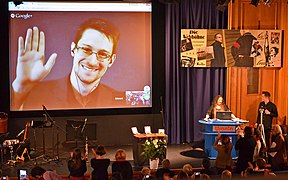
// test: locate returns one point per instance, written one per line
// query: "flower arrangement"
(154, 148)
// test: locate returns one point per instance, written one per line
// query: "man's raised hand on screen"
(31, 67)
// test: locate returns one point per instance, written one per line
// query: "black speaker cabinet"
(74, 128)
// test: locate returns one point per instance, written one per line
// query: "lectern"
(212, 127)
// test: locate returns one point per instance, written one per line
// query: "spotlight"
(254, 2)
(17, 2)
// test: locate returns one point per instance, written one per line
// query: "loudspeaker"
(74, 128)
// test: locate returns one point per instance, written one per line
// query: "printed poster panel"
(231, 48)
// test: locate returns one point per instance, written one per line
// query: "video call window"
(69, 55)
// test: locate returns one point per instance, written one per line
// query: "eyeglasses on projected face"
(101, 55)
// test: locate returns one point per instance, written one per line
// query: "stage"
(173, 154)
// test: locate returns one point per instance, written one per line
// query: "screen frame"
(158, 65)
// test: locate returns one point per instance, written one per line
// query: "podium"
(138, 141)
(212, 127)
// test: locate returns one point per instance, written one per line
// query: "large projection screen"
(115, 79)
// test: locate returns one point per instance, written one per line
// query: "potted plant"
(154, 149)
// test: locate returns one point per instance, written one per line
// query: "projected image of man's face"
(93, 56)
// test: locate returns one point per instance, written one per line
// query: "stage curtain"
(189, 91)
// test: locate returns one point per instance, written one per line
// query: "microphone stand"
(52, 123)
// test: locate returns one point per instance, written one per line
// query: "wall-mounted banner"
(231, 48)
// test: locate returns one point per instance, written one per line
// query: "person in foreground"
(121, 165)
(93, 51)
(100, 164)
(223, 146)
(277, 150)
(246, 146)
(38, 172)
(77, 165)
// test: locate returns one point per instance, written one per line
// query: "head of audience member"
(276, 129)
(166, 163)
(120, 155)
(226, 174)
(100, 150)
(265, 96)
(94, 50)
(76, 154)
(182, 175)
(248, 131)
(188, 169)
(116, 176)
(225, 140)
(37, 172)
(218, 37)
(206, 163)
(247, 172)
(261, 163)
(204, 176)
(146, 171)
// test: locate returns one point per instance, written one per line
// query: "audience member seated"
(99, 164)
(164, 170)
(38, 172)
(121, 165)
(207, 169)
(259, 169)
(205, 176)
(223, 146)
(77, 165)
(188, 169)
(182, 176)
(278, 160)
(284, 133)
(145, 174)
(226, 174)
(246, 146)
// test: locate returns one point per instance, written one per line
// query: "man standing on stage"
(269, 111)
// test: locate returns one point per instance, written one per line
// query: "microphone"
(20, 133)
(44, 107)
(84, 125)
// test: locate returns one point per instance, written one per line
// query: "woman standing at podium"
(218, 104)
